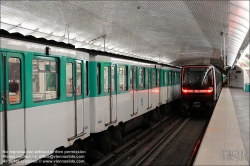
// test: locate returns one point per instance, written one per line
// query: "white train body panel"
(47, 127)
(155, 97)
(142, 101)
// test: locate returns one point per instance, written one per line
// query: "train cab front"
(197, 89)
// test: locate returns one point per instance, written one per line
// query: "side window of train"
(131, 76)
(141, 77)
(173, 78)
(98, 76)
(78, 78)
(123, 78)
(176, 78)
(106, 79)
(158, 77)
(69, 79)
(154, 77)
(45, 79)
(15, 80)
(146, 78)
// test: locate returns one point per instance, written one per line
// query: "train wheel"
(117, 134)
(105, 142)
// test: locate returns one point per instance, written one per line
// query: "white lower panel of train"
(47, 127)
(110, 110)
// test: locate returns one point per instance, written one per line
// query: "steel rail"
(197, 145)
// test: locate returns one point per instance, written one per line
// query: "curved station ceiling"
(171, 32)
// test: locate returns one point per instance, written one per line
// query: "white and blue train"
(65, 97)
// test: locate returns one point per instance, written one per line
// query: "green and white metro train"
(50, 100)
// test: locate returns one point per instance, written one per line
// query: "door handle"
(7, 96)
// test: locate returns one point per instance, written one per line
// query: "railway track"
(153, 149)
(131, 146)
(181, 147)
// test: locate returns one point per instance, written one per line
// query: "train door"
(111, 72)
(148, 84)
(113, 102)
(13, 100)
(133, 88)
(74, 92)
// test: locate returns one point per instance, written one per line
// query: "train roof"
(29, 38)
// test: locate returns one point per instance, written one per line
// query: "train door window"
(69, 79)
(123, 77)
(170, 77)
(45, 79)
(149, 78)
(158, 77)
(131, 76)
(98, 75)
(154, 78)
(78, 78)
(166, 78)
(14, 80)
(113, 78)
(175, 76)
(86, 78)
(146, 78)
(106, 79)
(141, 77)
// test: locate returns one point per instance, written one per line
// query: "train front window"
(197, 77)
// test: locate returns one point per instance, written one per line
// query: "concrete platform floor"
(241, 100)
